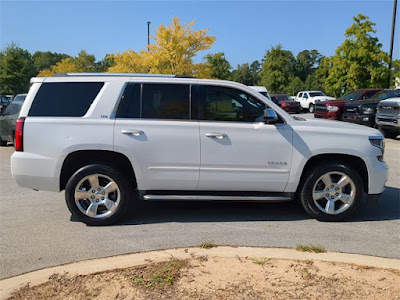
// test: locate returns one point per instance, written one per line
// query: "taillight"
(19, 134)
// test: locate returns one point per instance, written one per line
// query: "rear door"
(155, 129)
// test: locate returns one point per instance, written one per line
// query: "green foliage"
(85, 62)
(104, 64)
(44, 60)
(243, 74)
(310, 248)
(395, 73)
(220, 67)
(306, 63)
(207, 245)
(16, 69)
(359, 62)
(277, 69)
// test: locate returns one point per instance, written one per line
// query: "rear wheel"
(3, 143)
(332, 192)
(311, 108)
(98, 195)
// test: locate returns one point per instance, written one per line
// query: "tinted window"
(12, 109)
(166, 101)
(300, 95)
(64, 99)
(351, 96)
(316, 94)
(129, 106)
(385, 95)
(226, 104)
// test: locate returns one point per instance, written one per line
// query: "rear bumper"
(35, 171)
(367, 120)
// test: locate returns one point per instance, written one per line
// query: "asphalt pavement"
(36, 229)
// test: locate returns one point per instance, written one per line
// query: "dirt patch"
(212, 277)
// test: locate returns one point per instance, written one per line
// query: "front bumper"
(367, 120)
(330, 115)
(388, 120)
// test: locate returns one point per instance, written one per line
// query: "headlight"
(368, 110)
(378, 141)
(332, 108)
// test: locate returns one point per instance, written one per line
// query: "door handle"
(134, 132)
(217, 135)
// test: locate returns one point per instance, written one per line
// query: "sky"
(244, 29)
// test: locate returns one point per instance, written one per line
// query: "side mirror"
(270, 116)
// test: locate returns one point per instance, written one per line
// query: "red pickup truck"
(333, 109)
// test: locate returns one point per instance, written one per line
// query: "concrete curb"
(7, 286)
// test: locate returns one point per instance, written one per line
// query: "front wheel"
(391, 134)
(332, 192)
(311, 108)
(98, 195)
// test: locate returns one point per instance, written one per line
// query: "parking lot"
(37, 231)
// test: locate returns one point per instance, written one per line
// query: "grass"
(261, 261)
(159, 275)
(311, 248)
(207, 245)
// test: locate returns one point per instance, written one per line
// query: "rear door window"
(64, 99)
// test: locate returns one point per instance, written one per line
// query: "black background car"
(363, 111)
(8, 119)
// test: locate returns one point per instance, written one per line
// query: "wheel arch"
(350, 160)
(78, 159)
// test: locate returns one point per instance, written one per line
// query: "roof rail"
(122, 74)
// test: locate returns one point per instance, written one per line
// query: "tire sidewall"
(124, 187)
(308, 185)
(311, 108)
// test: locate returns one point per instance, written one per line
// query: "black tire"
(2, 143)
(391, 134)
(311, 108)
(311, 179)
(124, 196)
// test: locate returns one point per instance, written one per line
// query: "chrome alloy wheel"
(334, 192)
(97, 196)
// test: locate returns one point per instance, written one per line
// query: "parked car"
(333, 109)
(286, 103)
(109, 140)
(4, 101)
(262, 90)
(388, 117)
(363, 111)
(308, 99)
(8, 119)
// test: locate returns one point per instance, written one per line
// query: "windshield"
(20, 98)
(283, 98)
(316, 94)
(385, 95)
(350, 96)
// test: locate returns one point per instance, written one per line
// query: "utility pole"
(148, 35)
(391, 41)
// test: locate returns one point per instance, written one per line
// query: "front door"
(239, 152)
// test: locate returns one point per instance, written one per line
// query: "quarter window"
(227, 104)
(64, 99)
(129, 106)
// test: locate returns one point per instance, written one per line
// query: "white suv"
(308, 99)
(109, 140)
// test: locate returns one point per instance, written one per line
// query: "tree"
(106, 63)
(243, 74)
(306, 63)
(219, 66)
(64, 66)
(172, 53)
(359, 62)
(255, 68)
(44, 60)
(85, 62)
(16, 69)
(395, 73)
(277, 69)
(316, 80)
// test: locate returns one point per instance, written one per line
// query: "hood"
(337, 127)
(335, 102)
(322, 98)
(289, 102)
(362, 102)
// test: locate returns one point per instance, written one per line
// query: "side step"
(149, 197)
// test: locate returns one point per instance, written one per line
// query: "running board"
(149, 197)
